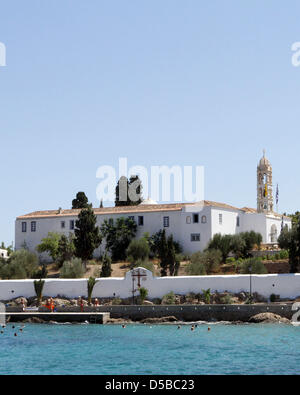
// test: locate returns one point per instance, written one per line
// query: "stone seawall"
(230, 313)
(198, 313)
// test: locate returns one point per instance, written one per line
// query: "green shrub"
(180, 257)
(116, 301)
(41, 273)
(203, 263)
(227, 299)
(230, 260)
(169, 298)
(284, 254)
(196, 269)
(72, 269)
(138, 250)
(143, 294)
(255, 264)
(190, 297)
(206, 295)
(146, 265)
(106, 269)
(21, 264)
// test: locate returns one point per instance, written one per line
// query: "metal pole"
(250, 270)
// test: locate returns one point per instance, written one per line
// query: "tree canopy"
(118, 235)
(290, 240)
(87, 234)
(128, 192)
(81, 201)
(240, 245)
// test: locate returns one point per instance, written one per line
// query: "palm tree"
(38, 287)
(207, 295)
(90, 286)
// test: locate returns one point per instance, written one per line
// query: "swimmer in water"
(123, 326)
(179, 327)
(208, 329)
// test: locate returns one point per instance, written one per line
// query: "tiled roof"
(134, 209)
(249, 210)
(106, 210)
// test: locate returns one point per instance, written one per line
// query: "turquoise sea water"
(145, 349)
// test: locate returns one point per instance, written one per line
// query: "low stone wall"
(198, 313)
(210, 313)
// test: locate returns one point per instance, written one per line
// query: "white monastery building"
(192, 224)
(3, 253)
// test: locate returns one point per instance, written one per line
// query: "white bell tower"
(265, 203)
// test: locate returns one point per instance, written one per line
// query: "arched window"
(188, 220)
(274, 234)
(203, 219)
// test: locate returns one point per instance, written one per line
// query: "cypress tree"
(81, 201)
(87, 235)
(128, 192)
(171, 258)
(163, 254)
(106, 266)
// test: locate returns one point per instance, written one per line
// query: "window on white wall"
(33, 226)
(141, 221)
(63, 224)
(72, 224)
(188, 220)
(237, 221)
(195, 218)
(204, 219)
(24, 227)
(166, 222)
(220, 219)
(195, 237)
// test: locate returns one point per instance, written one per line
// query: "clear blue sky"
(160, 82)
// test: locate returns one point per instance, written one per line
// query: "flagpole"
(277, 199)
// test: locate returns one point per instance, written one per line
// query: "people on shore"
(50, 304)
(96, 302)
(23, 304)
(80, 303)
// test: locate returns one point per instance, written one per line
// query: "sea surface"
(150, 349)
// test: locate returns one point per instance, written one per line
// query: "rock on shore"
(265, 318)
(159, 320)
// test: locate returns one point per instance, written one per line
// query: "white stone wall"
(3, 254)
(285, 285)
